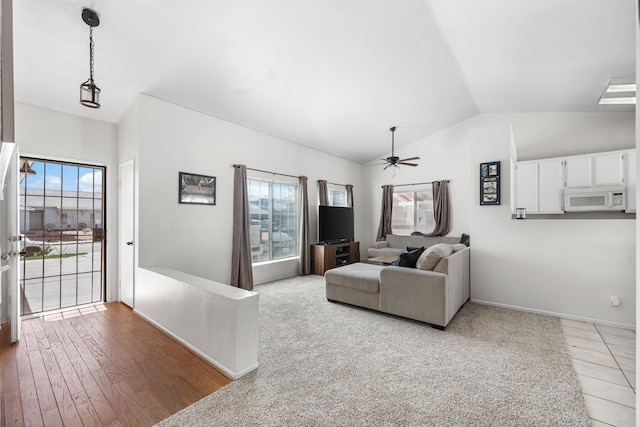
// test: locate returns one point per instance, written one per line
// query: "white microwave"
(595, 199)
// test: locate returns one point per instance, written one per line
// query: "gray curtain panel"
(241, 269)
(441, 208)
(349, 195)
(323, 193)
(304, 268)
(385, 215)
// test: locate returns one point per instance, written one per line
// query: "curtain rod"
(335, 183)
(263, 171)
(417, 183)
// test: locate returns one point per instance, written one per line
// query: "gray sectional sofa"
(433, 296)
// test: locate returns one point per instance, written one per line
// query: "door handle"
(129, 243)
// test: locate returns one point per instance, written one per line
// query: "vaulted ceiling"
(334, 75)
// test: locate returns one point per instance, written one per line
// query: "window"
(274, 219)
(337, 197)
(412, 211)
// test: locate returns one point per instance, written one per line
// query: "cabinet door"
(550, 183)
(608, 169)
(577, 171)
(631, 180)
(527, 186)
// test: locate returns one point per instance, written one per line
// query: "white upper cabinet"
(550, 186)
(608, 168)
(539, 185)
(527, 186)
(577, 171)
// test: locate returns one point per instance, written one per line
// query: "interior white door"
(126, 243)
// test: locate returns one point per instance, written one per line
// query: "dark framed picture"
(196, 189)
(490, 183)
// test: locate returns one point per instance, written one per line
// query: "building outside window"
(413, 211)
(274, 219)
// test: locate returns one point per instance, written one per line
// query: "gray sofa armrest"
(380, 244)
(456, 267)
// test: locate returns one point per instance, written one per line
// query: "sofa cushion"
(458, 247)
(396, 241)
(432, 256)
(360, 276)
(380, 244)
(409, 258)
(385, 252)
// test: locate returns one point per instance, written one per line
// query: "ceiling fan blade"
(410, 158)
(408, 164)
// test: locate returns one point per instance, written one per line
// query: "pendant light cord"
(91, 53)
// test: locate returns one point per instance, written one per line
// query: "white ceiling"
(334, 75)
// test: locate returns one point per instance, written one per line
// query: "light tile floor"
(605, 360)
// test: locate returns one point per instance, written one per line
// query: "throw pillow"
(458, 247)
(465, 239)
(408, 259)
(432, 256)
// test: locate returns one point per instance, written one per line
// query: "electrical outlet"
(614, 301)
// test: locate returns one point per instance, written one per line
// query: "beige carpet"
(330, 364)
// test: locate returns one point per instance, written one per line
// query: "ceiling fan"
(393, 161)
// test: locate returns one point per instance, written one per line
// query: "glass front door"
(61, 223)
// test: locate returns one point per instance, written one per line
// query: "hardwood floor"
(97, 366)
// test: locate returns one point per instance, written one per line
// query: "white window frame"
(267, 245)
(335, 193)
(426, 188)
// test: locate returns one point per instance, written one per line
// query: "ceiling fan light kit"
(89, 92)
(393, 161)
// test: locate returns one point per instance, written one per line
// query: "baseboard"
(554, 314)
(226, 371)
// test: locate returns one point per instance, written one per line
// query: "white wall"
(58, 136)
(197, 239)
(567, 267)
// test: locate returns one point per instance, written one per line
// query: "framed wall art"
(490, 183)
(196, 189)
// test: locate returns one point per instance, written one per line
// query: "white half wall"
(564, 267)
(216, 321)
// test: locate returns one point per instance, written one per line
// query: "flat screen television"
(335, 224)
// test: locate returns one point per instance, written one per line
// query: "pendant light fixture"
(89, 92)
